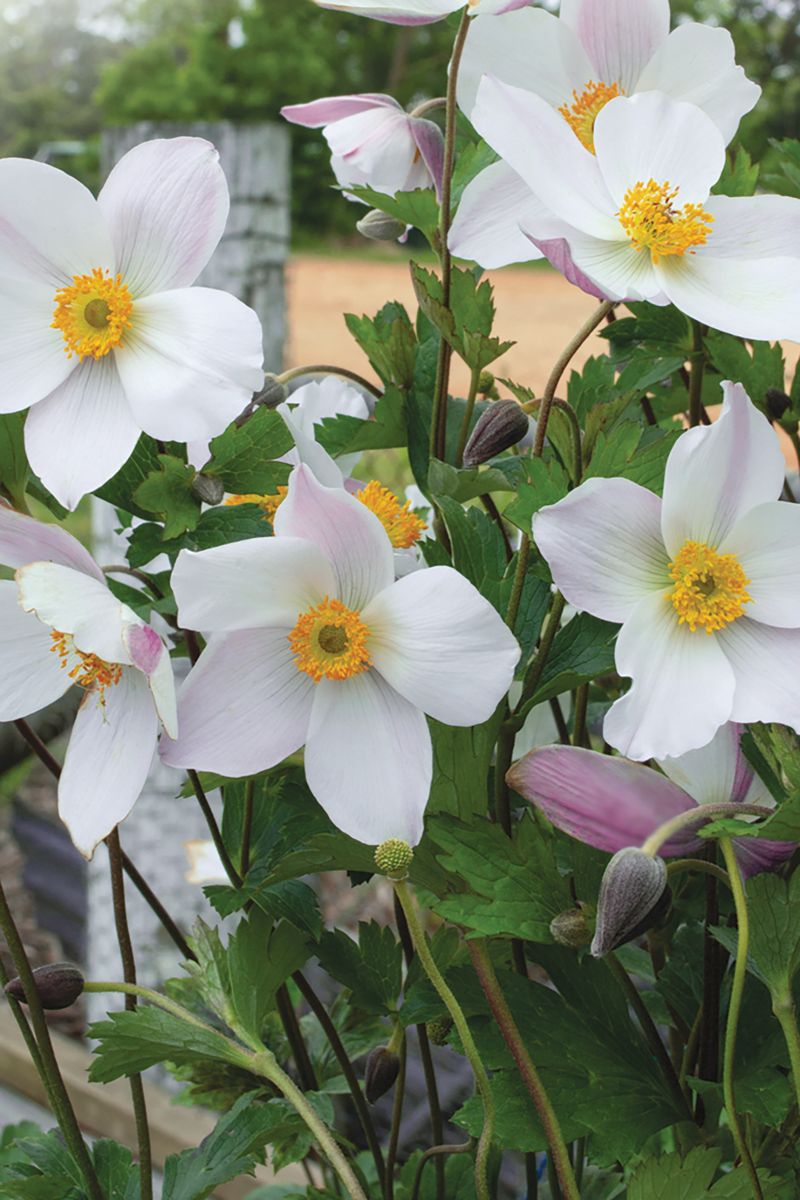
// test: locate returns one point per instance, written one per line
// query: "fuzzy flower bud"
(58, 985)
(633, 896)
(207, 489)
(273, 393)
(380, 227)
(383, 1067)
(393, 858)
(502, 425)
(571, 928)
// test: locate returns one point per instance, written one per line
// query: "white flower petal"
(322, 398)
(603, 544)
(615, 267)
(444, 648)
(32, 675)
(50, 225)
(399, 12)
(682, 689)
(250, 584)
(369, 759)
(307, 450)
(747, 297)
(348, 534)
(652, 136)
(752, 227)
(377, 148)
(24, 540)
(71, 602)
(767, 543)
(191, 362)
(33, 360)
(82, 433)
(766, 665)
(493, 208)
(620, 36)
(107, 761)
(540, 146)
(243, 708)
(698, 64)
(716, 473)
(165, 204)
(710, 774)
(150, 656)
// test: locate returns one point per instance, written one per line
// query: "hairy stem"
(326, 369)
(698, 369)
(397, 1116)
(469, 409)
(783, 1007)
(699, 816)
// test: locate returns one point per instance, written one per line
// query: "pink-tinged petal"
(558, 253)
(495, 207)
(429, 140)
(377, 149)
(406, 12)
(698, 64)
(32, 675)
(603, 545)
(767, 543)
(191, 363)
(348, 534)
(682, 689)
(33, 360)
(24, 540)
(324, 111)
(444, 648)
(307, 450)
(322, 398)
(243, 708)
(145, 647)
(82, 433)
(752, 227)
(496, 7)
(620, 36)
(652, 136)
(368, 759)
(717, 473)
(765, 663)
(755, 855)
(50, 225)
(540, 146)
(530, 49)
(608, 803)
(150, 656)
(108, 758)
(166, 204)
(250, 585)
(714, 773)
(71, 602)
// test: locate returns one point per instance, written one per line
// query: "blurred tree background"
(69, 66)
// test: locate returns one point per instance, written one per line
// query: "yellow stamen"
(403, 526)
(87, 670)
(710, 589)
(268, 504)
(330, 642)
(582, 113)
(93, 313)
(654, 222)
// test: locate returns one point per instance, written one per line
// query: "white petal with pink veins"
(33, 360)
(24, 539)
(32, 675)
(767, 543)
(71, 602)
(620, 36)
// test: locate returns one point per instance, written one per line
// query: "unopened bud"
(393, 858)
(570, 928)
(383, 1067)
(380, 227)
(777, 403)
(439, 1031)
(58, 985)
(633, 897)
(207, 489)
(273, 393)
(502, 425)
(486, 384)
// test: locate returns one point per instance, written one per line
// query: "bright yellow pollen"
(403, 526)
(268, 504)
(654, 222)
(582, 113)
(330, 642)
(93, 313)
(89, 671)
(710, 589)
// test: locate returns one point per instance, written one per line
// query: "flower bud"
(502, 425)
(57, 984)
(380, 227)
(439, 1031)
(777, 403)
(633, 896)
(570, 928)
(393, 858)
(383, 1067)
(486, 384)
(273, 393)
(207, 489)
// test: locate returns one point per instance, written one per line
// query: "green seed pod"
(502, 425)
(383, 1067)
(57, 984)
(380, 227)
(394, 858)
(207, 489)
(570, 928)
(633, 897)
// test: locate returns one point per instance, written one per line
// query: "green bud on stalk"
(633, 897)
(501, 426)
(394, 858)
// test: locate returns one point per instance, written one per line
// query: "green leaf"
(120, 489)
(773, 905)
(130, 1042)
(216, 527)
(384, 430)
(785, 178)
(463, 484)
(260, 960)
(672, 1177)
(371, 968)
(167, 492)
(14, 468)
(469, 163)
(389, 342)
(419, 208)
(461, 758)
(478, 551)
(740, 176)
(419, 411)
(582, 650)
(758, 371)
(118, 1177)
(545, 482)
(466, 323)
(243, 457)
(234, 1148)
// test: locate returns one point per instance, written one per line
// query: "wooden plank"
(105, 1109)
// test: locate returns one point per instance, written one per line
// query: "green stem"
(214, 830)
(469, 409)
(38, 747)
(559, 1154)
(408, 903)
(437, 1153)
(698, 368)
(247, 826)
(27, 1035)
(562, 362)
(783, 1007)
(537, 664)
(699, 816)
(579, 734)
(698, 864)
(575, 429)
(397, 1116)
(325, 369)
(734, 1008)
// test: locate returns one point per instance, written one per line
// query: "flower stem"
(408, 903)
(326, 369)
(698, 365)
(397, 1116)
(247, 826)
(734, 1008)
(213, 829)
(698, 864)
(469, 409)
(784, 1010)
(562, 362)
(700, 815)
(37, 745)
(437, 1153)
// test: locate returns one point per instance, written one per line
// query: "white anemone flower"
(101, 335)
(312, 643)
(637, 220)
(61, 626)
(576, 63)
(706, 584)
(418, 12)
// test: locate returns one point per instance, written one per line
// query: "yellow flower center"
(710, 589)
(330, 642)
(87, 670)
(654, 222)
(582, 113)
(268, 504)
(93, 313)
(403, 526)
